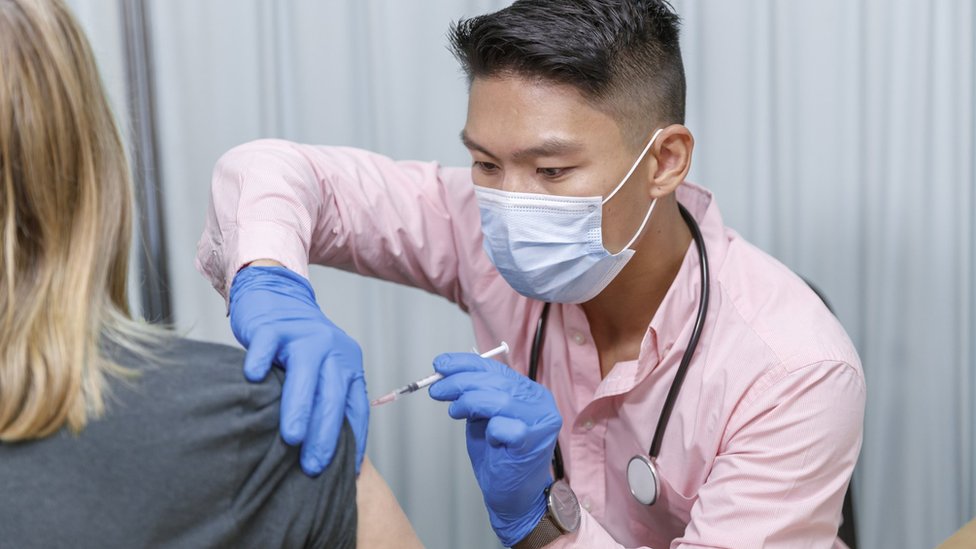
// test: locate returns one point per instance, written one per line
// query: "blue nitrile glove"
(512, 427)
(274, 315)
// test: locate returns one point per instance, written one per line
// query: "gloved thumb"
(260, 356)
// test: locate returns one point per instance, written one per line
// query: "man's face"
(537, 137)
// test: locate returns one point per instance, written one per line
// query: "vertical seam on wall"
(863, 204)
(776, 104)
(755, 59)
(699, 78)
(932, 213)
(373, 122)
(282, 82)
(970, 337)
(862, 193)
(268, 100)
(752, 108)
(788, 103)
(957, 260)
(965, 227)
(774, 160)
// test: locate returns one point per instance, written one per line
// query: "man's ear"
(673, 153)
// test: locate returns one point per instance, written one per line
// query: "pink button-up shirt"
(767, 427)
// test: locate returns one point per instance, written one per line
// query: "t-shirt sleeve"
(335, 519)
(278, 504)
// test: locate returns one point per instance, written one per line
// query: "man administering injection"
(668, 385)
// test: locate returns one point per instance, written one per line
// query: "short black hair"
(623, 56)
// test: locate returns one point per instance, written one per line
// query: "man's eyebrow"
(472, 146)
(552, 146)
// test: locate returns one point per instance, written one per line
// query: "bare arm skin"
(382, 523)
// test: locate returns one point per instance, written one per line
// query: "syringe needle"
(429, 380)
(389, 397)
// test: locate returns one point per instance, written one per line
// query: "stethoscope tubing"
(679, 377)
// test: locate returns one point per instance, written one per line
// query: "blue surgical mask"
(551, 247)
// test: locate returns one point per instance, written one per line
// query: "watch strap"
(544, 533)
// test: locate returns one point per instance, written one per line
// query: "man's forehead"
(530, 113)
(541, 147)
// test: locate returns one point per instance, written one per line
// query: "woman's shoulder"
(193, 383)
(164, 349)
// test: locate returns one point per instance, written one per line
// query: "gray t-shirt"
(188, 455)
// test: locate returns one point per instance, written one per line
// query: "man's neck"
(620, 315)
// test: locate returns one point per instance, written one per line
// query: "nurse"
(575, 127)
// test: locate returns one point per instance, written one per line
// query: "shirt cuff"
(219, 259)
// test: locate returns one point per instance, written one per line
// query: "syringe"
(421, 383)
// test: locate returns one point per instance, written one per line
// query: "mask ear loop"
(634, 167)
(640, 230)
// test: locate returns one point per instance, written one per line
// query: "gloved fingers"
(454, 385)
(260, 355)
(452, 363)
(298, 395)
(480, 404)
(327, 415)
(476, 429)
(475, 441)
(525, 433)
(309, 460)
(509, 432)
(357, 412)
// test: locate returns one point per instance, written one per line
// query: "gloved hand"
(512, 427)
(274, 315)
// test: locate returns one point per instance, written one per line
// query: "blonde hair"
(65, 225)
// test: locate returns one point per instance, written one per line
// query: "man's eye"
(551, 172)
(486, 167)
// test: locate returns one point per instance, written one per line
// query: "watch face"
(563, 506)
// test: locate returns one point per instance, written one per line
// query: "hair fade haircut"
(623, 56)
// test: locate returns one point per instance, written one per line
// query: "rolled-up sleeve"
(412, 223)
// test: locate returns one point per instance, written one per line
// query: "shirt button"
(586, 504)
(588, 424)
(578, 338)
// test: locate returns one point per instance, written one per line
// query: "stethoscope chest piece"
(642, 479)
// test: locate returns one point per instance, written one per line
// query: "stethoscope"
(642, 473)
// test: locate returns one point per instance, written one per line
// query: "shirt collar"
(677, 311)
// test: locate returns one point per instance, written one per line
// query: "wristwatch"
(562, 517)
